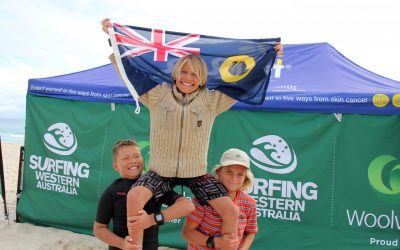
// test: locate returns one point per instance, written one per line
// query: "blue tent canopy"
(310, 78)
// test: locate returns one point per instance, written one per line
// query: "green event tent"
(324, 148)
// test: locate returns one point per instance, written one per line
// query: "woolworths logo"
(60, 139)
(271, 153)
(384, 177)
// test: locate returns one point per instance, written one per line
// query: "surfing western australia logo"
(59, 175)
(384, 178)
(273, 154)
(60, 139)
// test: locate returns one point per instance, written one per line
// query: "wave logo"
(60, 139)
(272, 154)
(384, 177)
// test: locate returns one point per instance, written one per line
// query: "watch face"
(159, 218)
(210, 242)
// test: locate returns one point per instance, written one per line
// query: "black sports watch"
(210, 242)
(159, 218)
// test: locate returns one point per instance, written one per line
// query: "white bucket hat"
(235, 156)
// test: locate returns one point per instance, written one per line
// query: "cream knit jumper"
(180, 128)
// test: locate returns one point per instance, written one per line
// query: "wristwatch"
(210, 242)
(159, 218)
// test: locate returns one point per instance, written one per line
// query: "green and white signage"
(319, 183)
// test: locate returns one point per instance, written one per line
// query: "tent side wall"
(332, 183)
(319, 183)
(65, 174)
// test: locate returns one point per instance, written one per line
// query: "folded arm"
(102, 232)
(180, 208)
(194, 236)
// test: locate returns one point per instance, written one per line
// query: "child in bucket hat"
(202, 228)
(235, 156)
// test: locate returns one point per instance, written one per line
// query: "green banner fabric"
(320, 183)
(65, 174)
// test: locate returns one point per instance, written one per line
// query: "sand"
(14, 236)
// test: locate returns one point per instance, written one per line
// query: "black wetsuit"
(112, 205)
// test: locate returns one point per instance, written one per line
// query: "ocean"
(12, 130)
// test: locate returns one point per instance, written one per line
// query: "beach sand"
(15, 236)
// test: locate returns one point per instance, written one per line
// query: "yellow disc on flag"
(235, 68)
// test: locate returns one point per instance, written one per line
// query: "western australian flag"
(240, 68)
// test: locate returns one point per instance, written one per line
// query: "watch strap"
(210, 242)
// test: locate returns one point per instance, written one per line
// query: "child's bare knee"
(133, 196)
(137, 197)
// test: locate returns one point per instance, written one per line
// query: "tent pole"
(19, 183)
(3, 188)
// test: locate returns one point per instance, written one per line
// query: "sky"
(45, 38)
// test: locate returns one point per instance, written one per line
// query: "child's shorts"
(204, 187)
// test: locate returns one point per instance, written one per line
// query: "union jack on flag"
(240, 68)
(138, 44)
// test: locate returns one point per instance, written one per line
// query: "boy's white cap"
(235, 156)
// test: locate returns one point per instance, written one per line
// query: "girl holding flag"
(181, 119)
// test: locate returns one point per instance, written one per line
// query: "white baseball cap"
(235, 156)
